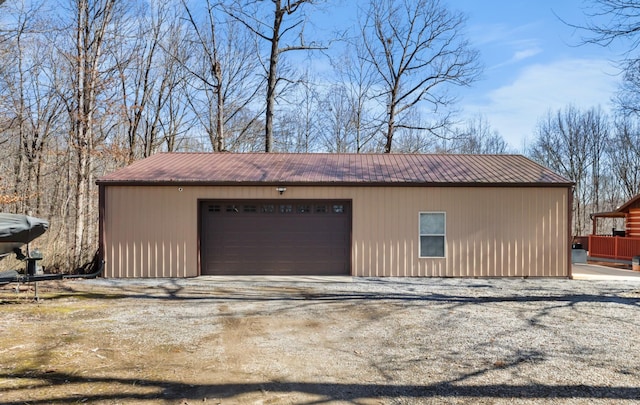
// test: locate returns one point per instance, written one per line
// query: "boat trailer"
(30, 274)
(17, 231)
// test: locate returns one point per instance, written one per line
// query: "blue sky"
(532, 61)
(533, 64)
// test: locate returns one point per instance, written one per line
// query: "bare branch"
(248, 13)
(416, 47)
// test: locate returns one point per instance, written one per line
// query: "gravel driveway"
(367, 341)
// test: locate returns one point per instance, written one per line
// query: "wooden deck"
(613, 247)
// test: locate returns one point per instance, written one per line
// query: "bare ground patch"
(366, 342)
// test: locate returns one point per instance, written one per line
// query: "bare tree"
(623, 152)
(2, 30)
(298, 128)
(136, 61)
(225, 69)
(477, 137)
(417, 48)
(411, 140)
(93, 24)
(561, 146)
(210, 73)
(358, 79)
(286, 20)
(610, 21)
(29, 102)
(596, 129)
(169, 118)
(15, 83)
(338, 118)
(627, 97)
(151, 80)
(247, 130)
(565, 143)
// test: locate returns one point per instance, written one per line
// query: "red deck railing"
(614, 247)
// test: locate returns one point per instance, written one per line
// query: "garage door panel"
(275, 237)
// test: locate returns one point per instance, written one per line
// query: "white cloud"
(524, 54)
(519, 56)
(503, 34)
(514, 109)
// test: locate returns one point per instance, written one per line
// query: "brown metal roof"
(324, 169)
(621, 211)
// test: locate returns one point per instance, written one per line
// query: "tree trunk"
(92, 26)
(391, 124)
(272, 80)
(81, 203)
(219, 110)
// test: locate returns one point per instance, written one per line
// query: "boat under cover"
(17, 230)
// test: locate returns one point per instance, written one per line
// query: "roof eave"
(186, 182)
(609, 214)
(629, 203)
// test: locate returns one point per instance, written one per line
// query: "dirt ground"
(369, 341)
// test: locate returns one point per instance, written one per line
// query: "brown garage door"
(261, 237)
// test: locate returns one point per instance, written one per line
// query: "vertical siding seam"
(529, 245)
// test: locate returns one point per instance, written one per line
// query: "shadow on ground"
(309, 295)
(328, 392)
(69, 387)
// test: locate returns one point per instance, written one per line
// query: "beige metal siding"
(146, 233)
(152, 231)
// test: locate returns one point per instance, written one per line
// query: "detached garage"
(372, 215)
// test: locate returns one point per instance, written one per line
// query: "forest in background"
(88, 86)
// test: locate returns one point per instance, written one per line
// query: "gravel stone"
(363, 341)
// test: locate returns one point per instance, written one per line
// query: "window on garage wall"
(432, 234)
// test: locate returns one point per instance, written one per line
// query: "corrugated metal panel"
(380, 169)
(514, 232)
(491, 231)
(148, 233)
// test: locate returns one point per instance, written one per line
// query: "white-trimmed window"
(432, 234)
